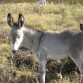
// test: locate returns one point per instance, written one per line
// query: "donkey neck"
(31, 39)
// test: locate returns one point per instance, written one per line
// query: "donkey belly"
(57, 54)
(56, 50)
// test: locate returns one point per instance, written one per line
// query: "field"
(22, 68)
(49, 1)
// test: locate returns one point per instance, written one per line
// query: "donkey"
(47, 45)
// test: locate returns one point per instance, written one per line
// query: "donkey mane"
(67, 36)
(62, 35)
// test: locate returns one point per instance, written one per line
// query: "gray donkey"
(47, 45)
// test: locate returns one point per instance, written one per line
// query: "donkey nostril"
(13, 51)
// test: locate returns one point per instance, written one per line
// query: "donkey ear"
(81, 27)
(20, 20)
(10, 20)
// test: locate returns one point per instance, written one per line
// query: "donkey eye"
(18, 36)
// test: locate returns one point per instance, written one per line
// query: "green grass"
(44, 17)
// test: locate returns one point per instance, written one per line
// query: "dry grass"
(43, 17)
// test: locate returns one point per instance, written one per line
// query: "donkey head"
(81, 27)
(16, 33)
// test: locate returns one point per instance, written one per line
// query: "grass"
(50, 1)
(44, 17)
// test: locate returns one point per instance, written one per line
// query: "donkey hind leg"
(42, 68)
(76, 57)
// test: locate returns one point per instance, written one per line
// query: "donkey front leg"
(42, 70)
